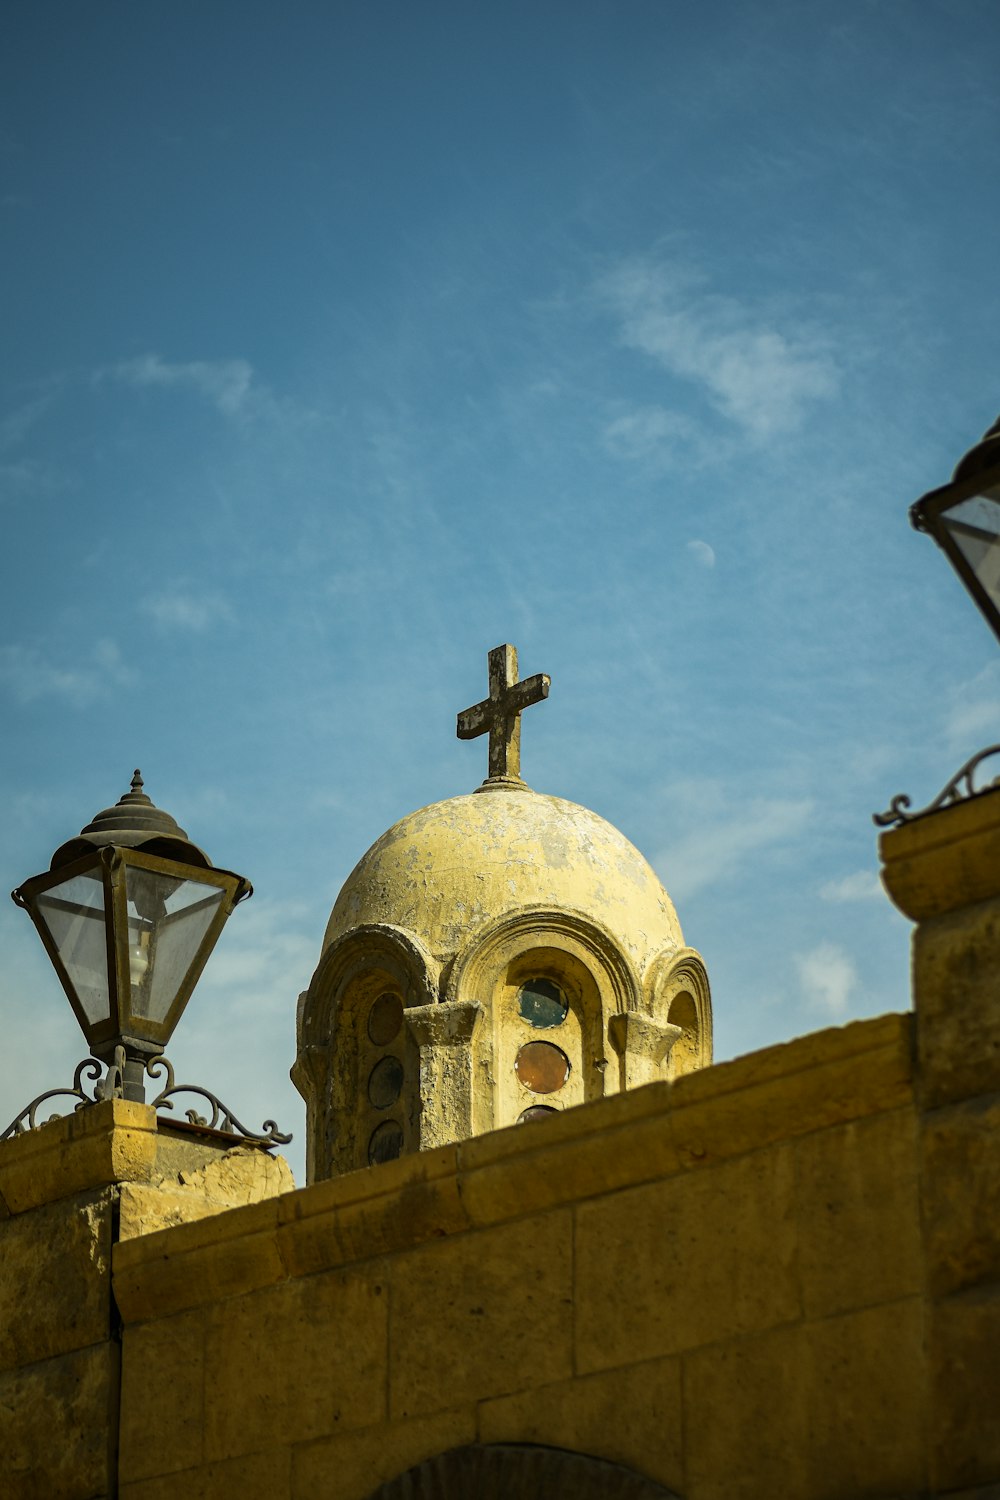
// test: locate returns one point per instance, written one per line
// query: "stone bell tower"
(493, 959)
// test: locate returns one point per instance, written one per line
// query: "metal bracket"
(222, 1118)
(111, 1087)
(960, 788)
(28, 1118)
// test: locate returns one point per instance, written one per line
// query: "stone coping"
(101, 1145)
(944, 860)
(654, 1132)
(115, 1141)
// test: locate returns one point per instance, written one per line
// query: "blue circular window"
(542, 1004)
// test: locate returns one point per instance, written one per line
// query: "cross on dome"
(499, 715)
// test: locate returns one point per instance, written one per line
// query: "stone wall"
(718, 1283)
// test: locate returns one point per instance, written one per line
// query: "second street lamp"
(963, 517)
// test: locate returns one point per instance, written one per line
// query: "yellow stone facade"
(465, 915)
(775, 1276)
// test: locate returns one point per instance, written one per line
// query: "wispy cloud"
(226, 383)
(653, 434)
(184, 609)
(761, 376)
(28, 675)
(863, 885)
(723, 836)
(828, 978)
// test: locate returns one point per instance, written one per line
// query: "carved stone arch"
(357, 964)
(496, 942)
(677, 993)
(596, 980)
(519, 1471)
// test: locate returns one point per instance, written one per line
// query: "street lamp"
(129, 912)
(963, 517)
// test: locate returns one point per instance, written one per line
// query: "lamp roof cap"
(135, 822)
(983, 455)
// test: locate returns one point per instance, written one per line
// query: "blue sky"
(345, 342)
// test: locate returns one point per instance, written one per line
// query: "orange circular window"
(542, 1067)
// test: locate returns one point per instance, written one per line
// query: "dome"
(447, 869)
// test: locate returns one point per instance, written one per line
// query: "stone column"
(643, 1046)
(943, 871)
(443, 1033)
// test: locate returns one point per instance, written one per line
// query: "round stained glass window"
(536, 1112)
(542, 1067)
(385, 1018)
(385, 1081)
(542, 1003)
(386, 1143)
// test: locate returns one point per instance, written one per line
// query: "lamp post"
(129, 912)
(963, 517)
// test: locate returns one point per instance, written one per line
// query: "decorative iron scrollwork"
(962, 786)
(110, 1086)
(221, 1118)
(28, 1118)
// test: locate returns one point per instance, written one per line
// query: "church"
(546, 1246)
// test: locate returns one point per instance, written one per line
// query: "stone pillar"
(643, 1046)
(943, 871)
(443, 1033)
(69, 1191)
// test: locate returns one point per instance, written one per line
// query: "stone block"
(814, 1411)
(418, 1207)
(858, 1212)
(961, 1191)
(745, 1419)
(675, 1264)
(964, 1412)
(536, 1167)
(352, 1464)
(262, 1476)
(481, 1314)
(196, 1264)
(806, 1085)
(304, 1359)
(944, 860)
(866, 1383)
(55, 1425)
(229, 1179)
(90, 1148)
(956, 959)
(630, 1416)
(163, 1396)
(55, 1279)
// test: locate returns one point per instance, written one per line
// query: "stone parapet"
(663, 1130)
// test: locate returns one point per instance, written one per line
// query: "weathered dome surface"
(444, 871)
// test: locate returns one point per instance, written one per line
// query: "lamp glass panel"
(74, 915)
(167, 922)
(974, 527)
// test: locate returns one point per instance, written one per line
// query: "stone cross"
(500, 714)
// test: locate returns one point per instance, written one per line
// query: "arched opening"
(519, 1471)
(686, 1051)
